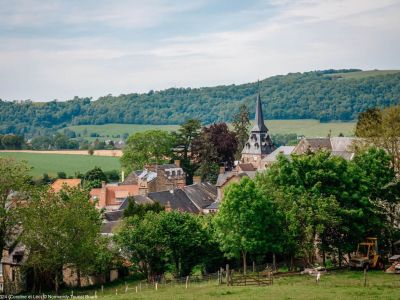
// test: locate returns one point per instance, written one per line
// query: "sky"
(91, 48)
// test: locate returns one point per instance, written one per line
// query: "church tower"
(259, 144)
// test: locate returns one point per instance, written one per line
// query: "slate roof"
(192, 198)
(214, 205)
(167, 166)
(259, 142)
(223, 178)
(339, 146)
(319, 143)
(114, 215)
(176, 198)
(284, 150)
(200, 194)
(259, 124)
(342, 143)
(246, 167)
(108, 228)
(131, 179)
(344, 154)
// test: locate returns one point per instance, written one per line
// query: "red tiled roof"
(60, 183)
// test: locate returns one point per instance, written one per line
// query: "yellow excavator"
(367, 255)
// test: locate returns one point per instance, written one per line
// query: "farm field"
(309, 128)
(336, 285)
(53, 163)
(364, 74)
(110, 131)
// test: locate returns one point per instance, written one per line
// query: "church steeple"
(259, 124)
(259, 143)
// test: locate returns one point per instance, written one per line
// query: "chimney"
(222, 170)
(122, 176)
(103, 184)
(151, 167)
(177, 163)
(196, 179)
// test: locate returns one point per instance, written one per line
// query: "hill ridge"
(329, 95)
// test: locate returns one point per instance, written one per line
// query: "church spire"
(259, 120)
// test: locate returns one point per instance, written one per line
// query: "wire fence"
(256, 275)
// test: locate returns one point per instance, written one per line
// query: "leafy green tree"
(158, 240)
(142, 241)
(241, 123)
(383, 190)
(333, 191)
(185, 240)
(215, 146)
(381, 128)
(153, 146)
(61, 175)
(140, 210)
(187, 132)
(320, 95)
(59, 229)
(247, 222)
(41, 143)
(94, 178)
(12, 142)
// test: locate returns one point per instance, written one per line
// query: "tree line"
(321, 95)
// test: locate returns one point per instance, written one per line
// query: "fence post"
(187, 281)
(156, 286)
(136, 289)
(116, 291)
(102, 289)
(126, 287)
(365, 277)
(227, 274)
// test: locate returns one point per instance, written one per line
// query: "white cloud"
(299, 36)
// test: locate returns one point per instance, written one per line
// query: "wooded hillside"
(324, 95)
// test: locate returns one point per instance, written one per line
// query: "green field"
(309, 128)
(110, 131)
(363, 74)
(336, 285)
(53, 163)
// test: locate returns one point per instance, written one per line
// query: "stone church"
(259, 144)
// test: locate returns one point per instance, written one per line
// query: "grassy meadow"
(309, 128)
(53, 163)
(335, 285)
(364, 74)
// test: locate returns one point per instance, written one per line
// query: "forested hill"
(324, 95)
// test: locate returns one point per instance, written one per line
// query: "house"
(12, 277)
(60, 183)
(227, 177)
(338, 146)
(157, 178)
(193, 198)
(110, 196)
